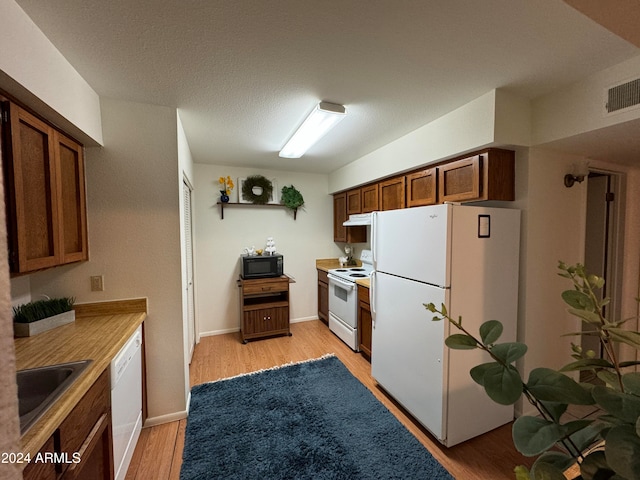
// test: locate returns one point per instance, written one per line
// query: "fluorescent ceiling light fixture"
(322, 119)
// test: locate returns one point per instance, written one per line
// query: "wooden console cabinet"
(323, 297)
(264, 307)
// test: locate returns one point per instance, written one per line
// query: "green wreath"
(257, 181)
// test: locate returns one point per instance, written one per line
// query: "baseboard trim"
(237, 329)
(171, 417)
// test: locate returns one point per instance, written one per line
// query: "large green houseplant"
(560, 444)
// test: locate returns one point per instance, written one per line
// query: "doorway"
(188, 261)
(602, 250)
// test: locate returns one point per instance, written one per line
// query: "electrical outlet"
(97, 283)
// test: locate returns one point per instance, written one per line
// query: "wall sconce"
(322, 119)
(579, 171)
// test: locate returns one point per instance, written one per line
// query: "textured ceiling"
(244, 73)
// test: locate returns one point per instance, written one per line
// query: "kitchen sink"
(39, 388)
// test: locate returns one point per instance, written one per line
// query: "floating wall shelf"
(237, 204)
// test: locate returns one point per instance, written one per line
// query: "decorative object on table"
(249, 250)
(343, 261)
(322, 428)
(604, 446)
(291, 197)
(270, 249)
(226, 185)
(256, 189)
(36, 317)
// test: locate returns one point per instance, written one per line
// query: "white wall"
(37, 82)
(219, 243)
(134, 239)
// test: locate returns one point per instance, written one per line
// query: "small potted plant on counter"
(607, 447)
(36, 317)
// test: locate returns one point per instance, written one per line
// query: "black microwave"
(261, 266)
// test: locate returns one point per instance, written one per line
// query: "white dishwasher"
(126, 402)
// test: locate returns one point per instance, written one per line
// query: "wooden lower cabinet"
(323, 296)
(264, 307)
(364, 322)
(42, 470)
(82, 444)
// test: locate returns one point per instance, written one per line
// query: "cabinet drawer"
(82, 419)
(265, 286)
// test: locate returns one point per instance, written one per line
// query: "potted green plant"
(561, 445)
(36, 317)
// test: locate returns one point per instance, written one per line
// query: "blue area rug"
(311, 420)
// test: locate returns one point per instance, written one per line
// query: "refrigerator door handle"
(374, 229)
(372, 298)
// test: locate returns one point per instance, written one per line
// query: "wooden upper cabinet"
(487, 176)
(392, 193)
(460, 180)
(340, 232)
(45, 193)
(72, 198)
(421, 188)
(354, 202)
(369, 196)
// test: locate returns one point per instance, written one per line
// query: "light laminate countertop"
(99, 332)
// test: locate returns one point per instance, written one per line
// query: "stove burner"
(357, 269)
(341, 270)
(358, 275)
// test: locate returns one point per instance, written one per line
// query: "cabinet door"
(392, 194)
(339, 217)
(364, 322)
(266, 320)
(421, 188)
(460, 180)
(369, 196)
(71, 188)
(42, 470)
(31, 193)
(354, 202)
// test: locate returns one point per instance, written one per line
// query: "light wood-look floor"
(159, 451)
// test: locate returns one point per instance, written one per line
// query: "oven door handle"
(345, 284)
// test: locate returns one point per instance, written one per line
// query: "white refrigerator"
(467, 258)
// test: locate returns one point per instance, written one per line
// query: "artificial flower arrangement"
(226, 185)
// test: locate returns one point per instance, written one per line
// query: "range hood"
(358, 219)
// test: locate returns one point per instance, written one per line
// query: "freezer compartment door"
(408, 348)
(413, 243)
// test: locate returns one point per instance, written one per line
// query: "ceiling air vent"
(623, 96)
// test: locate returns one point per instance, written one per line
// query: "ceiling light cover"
(322, 119)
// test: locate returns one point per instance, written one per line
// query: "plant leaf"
(534, 435)
(624, 406)
(625, 336)
(587, 364)
(578, 300)
(631, 383)
(477, 372)
(609, 378)
(509, 352)
(460, 341)
(546, 471)
(522, 473)
(622, 451)
(503, 384)
(490, 331)
(586, 315)
(586, 437)
(555, 409)
(629, 363)
(551, 386)
(560, 461)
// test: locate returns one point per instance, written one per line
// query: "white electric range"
(343, 299)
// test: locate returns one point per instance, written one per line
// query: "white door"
(408, 353)
(188, 249)
(413, 243)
